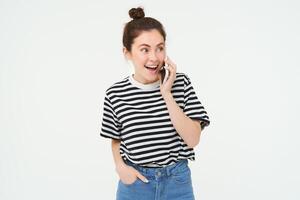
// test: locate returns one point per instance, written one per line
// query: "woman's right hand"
(128, 174)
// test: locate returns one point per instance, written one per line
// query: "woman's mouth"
(152, 68)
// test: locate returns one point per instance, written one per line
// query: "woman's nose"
(153, 56)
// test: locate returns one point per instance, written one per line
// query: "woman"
(154, 125)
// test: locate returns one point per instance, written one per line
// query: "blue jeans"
(172, 182)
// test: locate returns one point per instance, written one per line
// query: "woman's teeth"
(153, 68)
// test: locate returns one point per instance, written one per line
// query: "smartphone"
(164, 73)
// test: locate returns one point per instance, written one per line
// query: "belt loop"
(168, 171)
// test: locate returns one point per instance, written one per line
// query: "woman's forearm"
(115, 145)
(187, 128)
(126, 173)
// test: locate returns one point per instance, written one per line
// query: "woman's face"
(147, 55)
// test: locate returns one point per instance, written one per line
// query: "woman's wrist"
(167, 96)
(120, 165)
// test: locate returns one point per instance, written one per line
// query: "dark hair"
(138, 24)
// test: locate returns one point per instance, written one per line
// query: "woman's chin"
(149, 80)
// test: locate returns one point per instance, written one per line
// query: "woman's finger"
(172, 70)
(143, 178)
(170, 62)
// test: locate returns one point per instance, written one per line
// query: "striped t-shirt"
(136, 114)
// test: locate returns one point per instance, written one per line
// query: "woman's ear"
(126, 53)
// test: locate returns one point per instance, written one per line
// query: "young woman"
(154, 125)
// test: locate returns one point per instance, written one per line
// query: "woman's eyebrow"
(144, 45)
(162, 43)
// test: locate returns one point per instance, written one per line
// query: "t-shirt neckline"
(149, 86)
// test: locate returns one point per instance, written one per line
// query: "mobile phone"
(164, 73)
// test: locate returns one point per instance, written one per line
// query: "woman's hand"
(165, 88)
(128, 174)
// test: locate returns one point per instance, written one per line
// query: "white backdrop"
(58, 58)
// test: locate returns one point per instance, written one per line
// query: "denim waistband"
(168, 170)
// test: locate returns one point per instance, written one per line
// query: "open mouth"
(152, 68)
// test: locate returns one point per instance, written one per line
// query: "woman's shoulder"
(118, 84)
(182, 76)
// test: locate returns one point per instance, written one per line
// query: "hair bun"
(136, 13)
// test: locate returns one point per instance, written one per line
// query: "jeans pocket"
(182, 176)
(129, 184)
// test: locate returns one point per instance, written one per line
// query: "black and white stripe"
(137, 115)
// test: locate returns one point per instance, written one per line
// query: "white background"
(57, 58)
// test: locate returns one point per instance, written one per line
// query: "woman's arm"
(126, 173)
(188, 129)
(115, 146)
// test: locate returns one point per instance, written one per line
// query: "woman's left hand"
(165, 88)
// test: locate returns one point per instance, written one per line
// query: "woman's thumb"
(143, 178)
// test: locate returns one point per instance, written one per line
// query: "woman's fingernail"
(146, 181)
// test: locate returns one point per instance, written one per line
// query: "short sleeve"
(192, 106)
(110, 127)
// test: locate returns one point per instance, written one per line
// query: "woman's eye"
(144, 50)
(160, 48)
